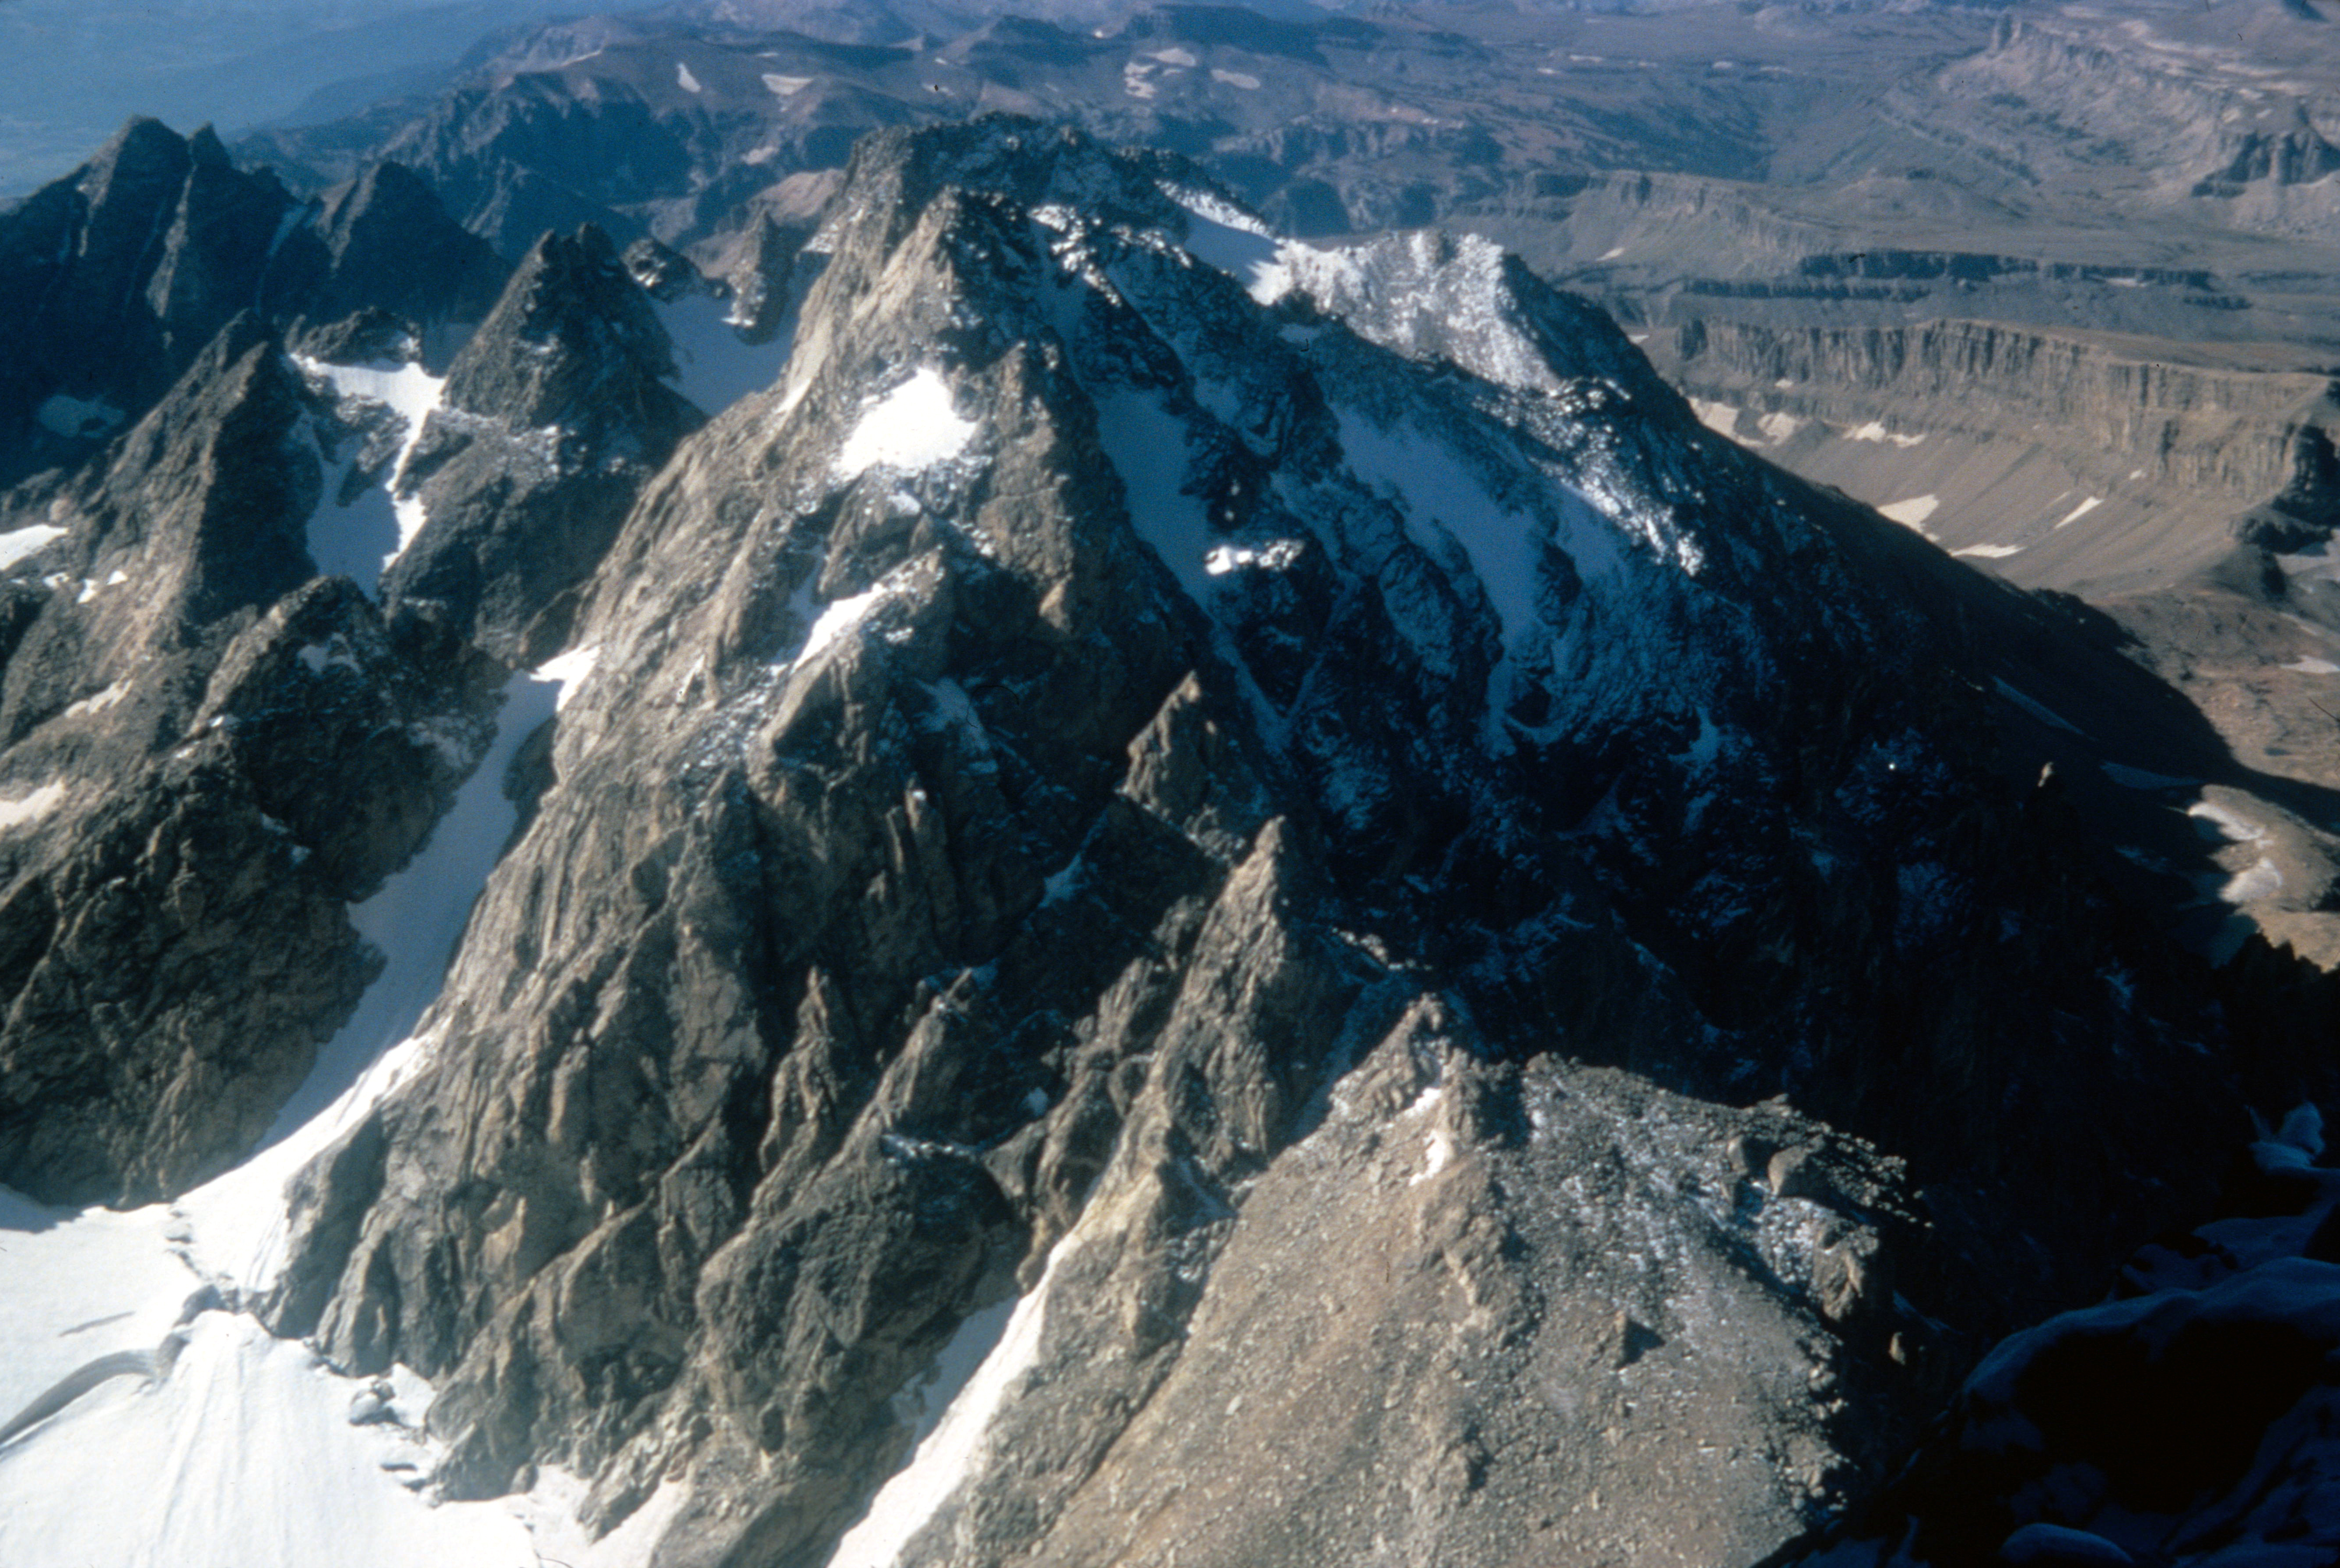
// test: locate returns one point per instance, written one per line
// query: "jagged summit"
(113, 278)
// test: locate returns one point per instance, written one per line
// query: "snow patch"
(2139, 779)
(2082, 510)
(1990, 552)
(100, 703)
(714, 366)
(838, 617)
(685, 80)
(1912, 513)
(948, 1453)
(1236, 244)
(2314, 667)
(2261, 881)
(1147, 445)
(785, 86)
(17, 811)
(22, 542)
(1273, 558)
(1875, 431)
(553, 1513)
(2215, 821)
(568, 672)
(1436, 1156)
(1243, 79)
(913, 427)
(2038, 710)
(78, 418)
(411, 393)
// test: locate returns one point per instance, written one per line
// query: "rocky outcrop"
(552, 417)
(1091, 768)
(2240, 436)
(207, 755)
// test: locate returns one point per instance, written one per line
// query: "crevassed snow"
(912, 426)
(685, 80)
(19, 543)
(15, 811)
(714, 367)
(242, 1454)
(410, 391)
(948, 1454)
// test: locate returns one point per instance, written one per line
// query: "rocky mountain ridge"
(1161, 831)
(900, 1058)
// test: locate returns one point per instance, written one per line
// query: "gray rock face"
(554, 414)
(1111, 785)
(113, 278)
(207, 753)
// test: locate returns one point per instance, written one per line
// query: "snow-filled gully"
(137, 1430)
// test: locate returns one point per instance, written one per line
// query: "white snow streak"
(568, 672)
(1990, 552)
(1148, 447)
(949, 1453)
(2082, 510)
(1913, 512)
(14, 547)
(838, 617)
(2038, 710)
(15, 811)
(685, 80)
(100, 701)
